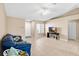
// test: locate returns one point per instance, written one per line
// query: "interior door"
(72, 30)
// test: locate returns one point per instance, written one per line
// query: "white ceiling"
(38, 11)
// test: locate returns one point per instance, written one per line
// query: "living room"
(42, 31)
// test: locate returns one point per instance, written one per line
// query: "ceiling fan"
(45, 8)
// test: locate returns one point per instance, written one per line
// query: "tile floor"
(51, 47)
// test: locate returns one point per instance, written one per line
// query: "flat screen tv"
(52, 29)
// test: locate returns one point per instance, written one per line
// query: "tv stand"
(56, 35)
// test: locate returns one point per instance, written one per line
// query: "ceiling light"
(44, 11)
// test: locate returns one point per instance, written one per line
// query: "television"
(52, 29)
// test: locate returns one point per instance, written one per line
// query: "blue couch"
(8, 42)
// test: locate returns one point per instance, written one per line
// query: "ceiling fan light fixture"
(46, 12)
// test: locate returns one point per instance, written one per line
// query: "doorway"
(28, 29)
(73, 30)
(40, 30)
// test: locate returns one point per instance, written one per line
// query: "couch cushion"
(8, 41)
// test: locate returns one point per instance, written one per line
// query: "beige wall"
(11, 25)
(33, 29)
(62, 24)
(2, 21)
(15, 26)
(77, 29)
